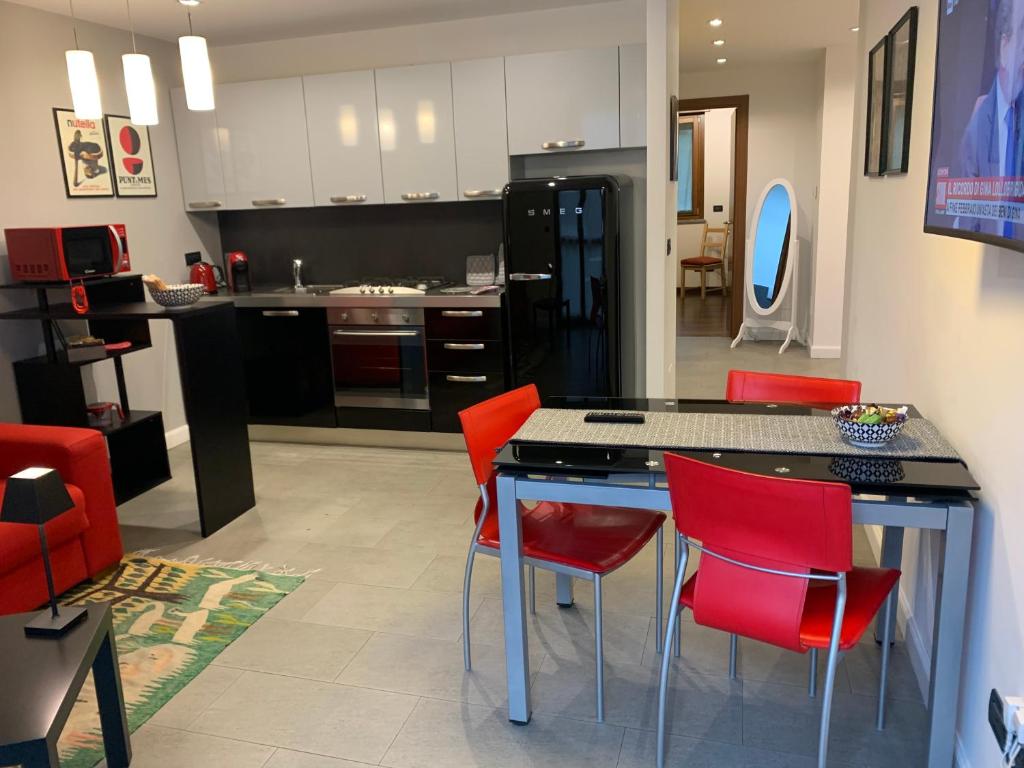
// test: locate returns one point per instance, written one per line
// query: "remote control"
(614, 417)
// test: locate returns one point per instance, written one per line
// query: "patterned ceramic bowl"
(865, 435)
(178, 295)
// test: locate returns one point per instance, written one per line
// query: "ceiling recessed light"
(189, 3)
(721, 60)
(715, 22)
(719, 42)
(855, 29)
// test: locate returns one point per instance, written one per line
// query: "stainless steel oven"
(379, 358)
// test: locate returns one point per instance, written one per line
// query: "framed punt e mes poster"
(131, 158)
(877, 131)
(82, 144)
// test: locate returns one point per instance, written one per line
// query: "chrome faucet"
(297, 274)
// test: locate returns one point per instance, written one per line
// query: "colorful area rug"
(171, 620)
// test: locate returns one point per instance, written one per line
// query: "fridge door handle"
(522, 277)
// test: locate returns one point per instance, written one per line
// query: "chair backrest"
(797, 526)
(758, 387)
(487, 426)
(714, 240)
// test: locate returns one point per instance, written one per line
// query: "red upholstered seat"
(19, 543)
(867, 589)
(595, 539)
(84, 541)
(700, 261)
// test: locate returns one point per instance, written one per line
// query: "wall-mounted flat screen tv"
(975, 176)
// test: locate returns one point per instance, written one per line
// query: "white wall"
(719, 152)
(837, 132)
(33, 80)
(937, 322)
(589, 26)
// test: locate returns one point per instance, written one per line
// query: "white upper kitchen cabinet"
(417, 135)
(263, 144)
(633, 95)
(202, 178)
(344, 150)
(481, 134)
(563, 101)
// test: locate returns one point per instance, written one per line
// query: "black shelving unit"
(50, 391)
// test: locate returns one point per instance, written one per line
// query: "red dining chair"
(759, 387)
(776, 566)
(579, 540)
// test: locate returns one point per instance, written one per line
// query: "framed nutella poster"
(131, 158)
(83, 155)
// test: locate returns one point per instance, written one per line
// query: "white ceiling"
(758, 31)
(226, 22)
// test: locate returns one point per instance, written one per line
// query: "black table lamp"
(35, 496)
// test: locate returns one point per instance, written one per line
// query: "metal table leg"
(513, 596)
(564, 590)
(891, 557)
(947, 643)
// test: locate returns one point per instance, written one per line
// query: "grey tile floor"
(362, 665)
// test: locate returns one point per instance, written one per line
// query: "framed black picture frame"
(673, 138)
(878, 100)
(131, 157)
(899, 92)
(84, 155)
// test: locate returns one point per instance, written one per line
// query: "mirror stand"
(773, 254)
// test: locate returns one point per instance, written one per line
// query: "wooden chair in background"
(713, 245)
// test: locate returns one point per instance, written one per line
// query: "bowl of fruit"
(869, 426)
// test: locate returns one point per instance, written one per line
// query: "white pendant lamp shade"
(196, 73)
(138, 82)
(85, 86)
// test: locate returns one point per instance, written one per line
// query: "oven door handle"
(376, 333)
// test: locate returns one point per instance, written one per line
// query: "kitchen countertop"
(262, 297)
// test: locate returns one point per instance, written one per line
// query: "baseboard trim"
(177, 436)
(823, 351)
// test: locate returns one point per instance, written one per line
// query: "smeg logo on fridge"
(547, 211)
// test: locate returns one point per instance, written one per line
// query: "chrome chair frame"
(579, 573)
(682, 549)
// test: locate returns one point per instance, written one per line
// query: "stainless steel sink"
(314, 290)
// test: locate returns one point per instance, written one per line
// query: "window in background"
(690, 199)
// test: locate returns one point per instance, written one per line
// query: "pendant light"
(195, 70)
(85, 86)
(138, 82)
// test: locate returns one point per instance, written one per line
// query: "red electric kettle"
(202, 273)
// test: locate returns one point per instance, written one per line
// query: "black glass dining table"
(896, 494)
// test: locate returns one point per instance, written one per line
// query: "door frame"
(739, 186)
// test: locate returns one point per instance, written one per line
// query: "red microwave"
(66, 253)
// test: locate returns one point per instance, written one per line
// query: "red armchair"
(84, 540)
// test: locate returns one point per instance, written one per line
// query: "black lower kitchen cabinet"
(287, 361)
(451, 392)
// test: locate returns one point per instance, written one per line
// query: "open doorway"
(711, 215)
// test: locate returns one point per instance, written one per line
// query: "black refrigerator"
(562, 262)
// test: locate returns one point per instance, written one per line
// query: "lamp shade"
(85, 86)
(138, 83)
(196, 73)
(35, 495)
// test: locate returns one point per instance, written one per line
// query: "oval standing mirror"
(771, 246)
(772, 257)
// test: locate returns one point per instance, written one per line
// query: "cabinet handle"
(377, 333)
(280, 313)
(205, 204)
(453, 345)
(420, 195)
(523, 277)
(481, 193)
(270, 201)
(348, 199)
(462, 313)
(563, 144)
(466, 379)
